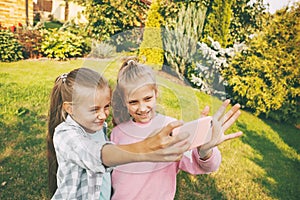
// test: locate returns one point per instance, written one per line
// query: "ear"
(67, 106)
(156, 92)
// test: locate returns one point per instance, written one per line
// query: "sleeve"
(194, 165)
(113, 136)
(81, 150)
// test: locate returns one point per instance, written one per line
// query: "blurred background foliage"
(253, 54)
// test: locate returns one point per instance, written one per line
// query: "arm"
(192, 164)
(160, 147)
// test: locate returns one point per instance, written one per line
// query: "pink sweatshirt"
(153, 180)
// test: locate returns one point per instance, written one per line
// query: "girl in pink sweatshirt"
(134, 108)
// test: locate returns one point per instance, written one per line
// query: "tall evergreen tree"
(152, 46)
(217, 21)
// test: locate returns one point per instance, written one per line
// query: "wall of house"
(75, 10)
(13, 12)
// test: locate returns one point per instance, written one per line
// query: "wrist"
(206, 154)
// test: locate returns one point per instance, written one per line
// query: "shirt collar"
(71, 122)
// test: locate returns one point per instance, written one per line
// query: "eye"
(133, 102)
(149, 98)
(107, 107)
(94, 110)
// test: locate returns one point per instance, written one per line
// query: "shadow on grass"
(23, 172)
(281, 179)
(290, 136)
(197, 187)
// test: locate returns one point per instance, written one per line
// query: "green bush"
(10, 48)
(102, 50)
(265, 77)
(128, 41)
(62, 45)
(152, 48)
(180, 37)
(52, 24)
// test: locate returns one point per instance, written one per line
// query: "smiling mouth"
(144, 114)
(99, 123)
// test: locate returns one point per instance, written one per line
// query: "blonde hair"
(131, 76)
(64, 90)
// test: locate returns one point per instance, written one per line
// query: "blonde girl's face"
(92, 109)
(141, 103)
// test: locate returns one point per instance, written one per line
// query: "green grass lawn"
(262, 164)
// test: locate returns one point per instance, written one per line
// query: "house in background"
(42, 8)
(13, 12)
(64, 10)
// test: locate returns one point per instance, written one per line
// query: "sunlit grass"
(262, 164)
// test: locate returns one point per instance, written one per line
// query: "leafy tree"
(247, 18)
(110, 17)
(265, 77)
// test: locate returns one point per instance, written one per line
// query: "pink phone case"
(198, 129)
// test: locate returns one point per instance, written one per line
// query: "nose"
(101, 115)
(143, 107)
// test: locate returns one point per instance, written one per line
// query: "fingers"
(169, 128)
(165, 134)
(231, 112)
(231, 120)
(178, 149)
(232, 135)
(205, 111)
(221, 110)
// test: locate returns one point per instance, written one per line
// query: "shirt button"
(97, 187)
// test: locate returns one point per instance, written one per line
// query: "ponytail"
(56, 116)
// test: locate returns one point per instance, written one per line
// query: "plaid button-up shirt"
(80, 168)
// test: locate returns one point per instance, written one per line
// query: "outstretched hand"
(220, 123)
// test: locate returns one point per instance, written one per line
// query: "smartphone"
(199, 131)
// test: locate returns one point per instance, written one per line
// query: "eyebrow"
(133, 101)
(97, 107)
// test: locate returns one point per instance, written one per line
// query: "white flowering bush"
(209, 62)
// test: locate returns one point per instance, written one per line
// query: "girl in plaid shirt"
(79, 156)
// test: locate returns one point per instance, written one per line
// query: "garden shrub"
(10, 48)
(63, 44)
(128, 41)
(265, 76)
(210, 60)
(102, 50)
(30, 38)
(180, 37)
(151, 48)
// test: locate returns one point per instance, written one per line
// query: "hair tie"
(129, 62)
(63, 77)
